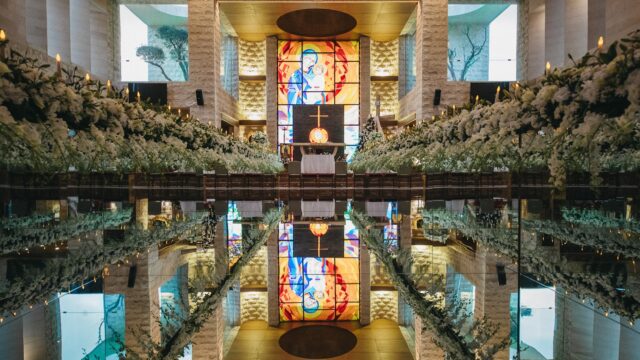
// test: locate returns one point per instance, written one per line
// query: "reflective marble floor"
(97, 277)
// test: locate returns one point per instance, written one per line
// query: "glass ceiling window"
(482, 42)
(154, 43)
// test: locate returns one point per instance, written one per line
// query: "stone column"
(365, 79)
(596, 25)
(101, 64)
(141, 301)
(142, 213)
(536, 34)
(273, 303)
(575, 29)
(554, 32)
(405, 243)
(80, 33)
(208, 342)
(523, 40)
(271, 90)
(13, 20)
(402, 68)
(365, 284)
(58, 29)
(37, 24)
(426, 349)
(629, 344)
(606, 336)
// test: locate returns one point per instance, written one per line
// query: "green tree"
(176, 40)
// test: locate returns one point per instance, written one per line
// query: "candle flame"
(126, 91)
(87, 77)
(498, 89)
(58, 58)
(3, 36)
(108, 83)
(548, 66)
(600, 42)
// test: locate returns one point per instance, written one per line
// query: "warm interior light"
(318, 229)
(3, 36)
(548, 66)
(600, 42)
(318, 136)
(58, 58)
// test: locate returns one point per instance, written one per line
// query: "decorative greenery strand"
(28, 235)
(436, 318)
(174, 347)
(583, 119)
(553, 268)
(48, 125)
(60, 274)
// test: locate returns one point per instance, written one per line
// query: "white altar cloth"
(318, 164)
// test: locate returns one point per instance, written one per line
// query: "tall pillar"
(80, 33)
(426, 349)
(101, 64)
(273, 303)
(365, 284)
(629, 340)
(365, 79)
(575, 29)
(271, 90)
(536, 34)
(596, 25)
(208, 342)
(37, 24)
(606, 336)
(12, 20)
(58, 29)
(142, 213)
(554, 32)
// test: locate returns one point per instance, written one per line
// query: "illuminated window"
(319, 72)
(319, 288)
(154, 42)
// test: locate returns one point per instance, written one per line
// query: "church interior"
(291, 179)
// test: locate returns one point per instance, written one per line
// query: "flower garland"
(61, 274)
(434, 317)
(580, 119)
(548, 266)
(49, 125)
(173, 348)
(29, 234)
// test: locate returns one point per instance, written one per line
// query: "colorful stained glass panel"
(347, 94)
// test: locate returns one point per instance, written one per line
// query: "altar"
(313, 162)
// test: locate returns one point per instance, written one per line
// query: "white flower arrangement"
(583, 119)
(48, 125)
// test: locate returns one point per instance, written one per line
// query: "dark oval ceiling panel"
(316, 22)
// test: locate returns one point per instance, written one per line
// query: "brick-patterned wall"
(384, 305)
(271, 90)
(388, 93)
(255, 273)
(384, 58)
(254, 306)
(252, 57)
(426, 349)
(251, 104)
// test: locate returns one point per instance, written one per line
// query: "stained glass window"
(319, 72)
(319, 288)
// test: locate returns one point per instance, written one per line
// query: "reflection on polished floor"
(381, 340)
(105, 273)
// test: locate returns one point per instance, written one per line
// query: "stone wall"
(388, 93)
(251, 104)
(252, 57)
(253, 306)
(384, 305)
(254, 274)
(384, 58)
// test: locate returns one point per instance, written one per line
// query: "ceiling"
(255, 20)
